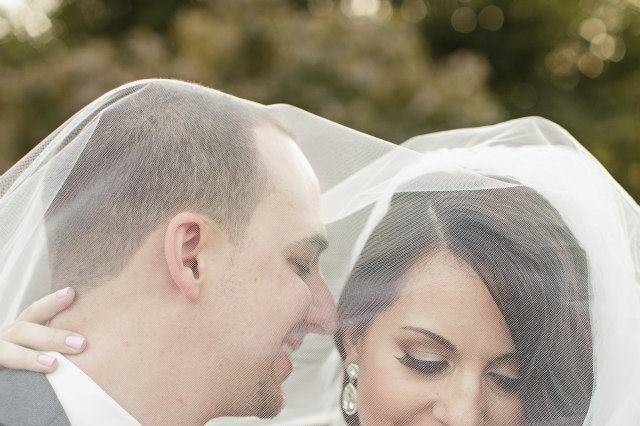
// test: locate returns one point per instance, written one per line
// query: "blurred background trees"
(390, 68)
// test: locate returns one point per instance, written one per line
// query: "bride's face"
(440, 354)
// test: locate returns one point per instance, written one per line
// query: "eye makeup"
(422, 353)
(434, 364)
(429, 353)
(508, 383)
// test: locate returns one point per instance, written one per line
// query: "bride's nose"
(460, 401)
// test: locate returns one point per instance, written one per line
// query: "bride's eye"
(434, 364)
(508, 383)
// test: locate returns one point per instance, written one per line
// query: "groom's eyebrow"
(316, 244)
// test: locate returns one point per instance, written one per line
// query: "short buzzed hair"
(167, 147)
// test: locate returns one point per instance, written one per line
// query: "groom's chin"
(270, 398)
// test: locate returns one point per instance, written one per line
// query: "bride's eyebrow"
(434, 336)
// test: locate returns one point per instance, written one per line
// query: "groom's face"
(276, 292)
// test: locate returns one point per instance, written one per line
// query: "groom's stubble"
(269, 398)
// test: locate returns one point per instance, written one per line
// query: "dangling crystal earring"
(350, 393)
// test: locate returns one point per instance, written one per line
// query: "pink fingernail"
(46, 360)
(61, 294)
(75, 342)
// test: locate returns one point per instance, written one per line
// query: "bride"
(494, 282)
(476, 304)
(490, 279)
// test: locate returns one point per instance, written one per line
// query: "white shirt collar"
(84, 402)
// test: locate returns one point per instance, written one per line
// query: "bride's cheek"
(388, 393)
(506, 411)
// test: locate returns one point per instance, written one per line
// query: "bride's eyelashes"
(507, 383)
(437, 365)
(430, 367)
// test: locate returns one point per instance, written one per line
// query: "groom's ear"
(184, 241)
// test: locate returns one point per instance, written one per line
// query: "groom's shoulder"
(27, 398)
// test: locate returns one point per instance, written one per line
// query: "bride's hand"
(22, 343)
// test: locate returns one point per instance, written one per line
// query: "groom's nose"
(321, 316)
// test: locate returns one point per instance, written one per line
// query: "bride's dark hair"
(533, 266)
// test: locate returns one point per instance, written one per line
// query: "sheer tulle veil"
(531, 152)
(363, 181)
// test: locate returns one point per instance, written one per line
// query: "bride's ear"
(183, 244)
(351, 342)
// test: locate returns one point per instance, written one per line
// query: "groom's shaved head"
(160, 148)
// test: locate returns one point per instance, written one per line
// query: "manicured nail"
(46, 360)
(61, 294)
(75, 342)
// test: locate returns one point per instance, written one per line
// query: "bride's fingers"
(48, 307)
(21, 342)
(19, 358)
(43, 338)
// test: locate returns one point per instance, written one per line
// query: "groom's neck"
(128, 356)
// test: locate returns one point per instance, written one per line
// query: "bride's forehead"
(445, 295)
(441, 282)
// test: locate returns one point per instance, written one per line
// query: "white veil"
(532, 152)
(359, 176)
(604, 219)
(28, 189)
(90, 153)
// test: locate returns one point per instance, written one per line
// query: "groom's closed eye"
(302, 268)
(303, 255)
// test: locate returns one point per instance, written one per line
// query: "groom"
(190, 228)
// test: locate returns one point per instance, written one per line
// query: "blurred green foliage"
(390, 68)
